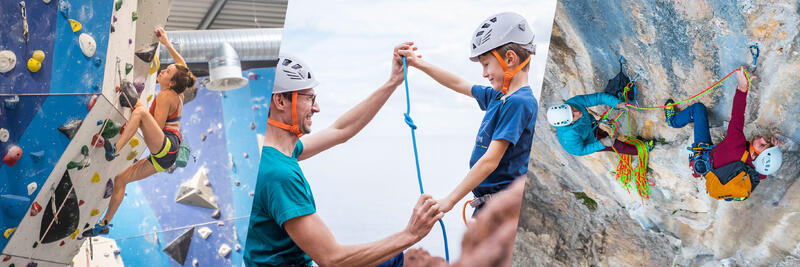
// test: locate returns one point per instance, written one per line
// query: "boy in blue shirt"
(503, 44)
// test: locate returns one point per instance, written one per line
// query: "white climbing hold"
(195, 262)
(4, 135)
(7, 61)
(237, 247)
(46, 1)
(204, 232)
(194, 191)
(88, 45)
(224, 250)
(32, 188)
(235, 236)
(220, 223)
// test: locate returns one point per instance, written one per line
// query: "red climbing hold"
(97, 140)
(122, 129)
(6, 258)
(13, 155)
(35, 208)
(62, 243)
(92, 101)
(80, 202)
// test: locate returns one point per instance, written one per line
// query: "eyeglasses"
(313, 98)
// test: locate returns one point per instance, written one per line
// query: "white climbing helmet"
(769, 161)
(560, 115)
(292, 74)
(501, 29)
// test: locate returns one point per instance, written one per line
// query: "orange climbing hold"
(92, 101)
(13, 155)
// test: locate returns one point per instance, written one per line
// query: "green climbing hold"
(12, 265)
(111, 129)
(77, 164)
(85, 150)
(118, 5)
(35, 244)
(128, 68)
(134, 16)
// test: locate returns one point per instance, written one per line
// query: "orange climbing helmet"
(292, 75)
(498, 30)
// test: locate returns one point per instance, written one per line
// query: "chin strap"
(507, 75)
(295, 127)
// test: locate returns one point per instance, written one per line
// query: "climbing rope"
(410, 123)
(625, 172)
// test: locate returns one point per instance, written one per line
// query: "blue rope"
(413, 127)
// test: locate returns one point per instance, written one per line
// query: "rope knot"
(410, 121)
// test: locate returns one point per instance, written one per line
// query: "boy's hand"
(162, 35)
(407, 49)
(445, 205)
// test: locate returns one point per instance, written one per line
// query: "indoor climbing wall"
(200, 213)
(63, 65)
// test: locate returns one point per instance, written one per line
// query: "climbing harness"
(754, 51)
(475, 202)
(701, 156)
(410, 123)
(507, 75)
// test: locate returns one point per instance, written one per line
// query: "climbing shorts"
(165, 158)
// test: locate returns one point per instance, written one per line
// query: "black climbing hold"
(128, 96)
(216, 214)
(112, 29)
(109, 148)
(109, 188)
(32, 264)
(70, 128)
(68, 217)
(179, 247)
(86, 226)
(147, 54)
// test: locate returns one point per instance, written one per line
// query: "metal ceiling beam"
(211, 15)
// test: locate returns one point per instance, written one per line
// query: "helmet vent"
(293, 75)
(287, 61)
(485, 25)
(479, 34)
(494, 19)
(297, 66)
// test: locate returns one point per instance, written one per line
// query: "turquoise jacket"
(578, 138)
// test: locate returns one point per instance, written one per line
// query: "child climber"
(734, 167)
(503, 45)
(577, 129)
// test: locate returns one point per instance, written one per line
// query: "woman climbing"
(160, 128)
(727, 164)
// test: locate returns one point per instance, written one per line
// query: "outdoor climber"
(726, 164)
(577, 130)
(503, 145)
(284, 228)
(160, 128)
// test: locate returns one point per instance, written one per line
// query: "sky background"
(365, 189)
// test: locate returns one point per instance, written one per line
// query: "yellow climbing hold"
(94, 212)
(76, 26)
(73, 235)
(134, 142)
(95, 178)
(38, 55)
(9, 231)
(149, 97)
(154, 66)
(34, 65)
(132, 155)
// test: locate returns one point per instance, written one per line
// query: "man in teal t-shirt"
(285, 229)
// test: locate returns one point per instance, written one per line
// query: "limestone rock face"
(678, 49)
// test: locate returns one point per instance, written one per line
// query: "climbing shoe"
(111, 151)
(669, 111)
(649, 144)
(98, 229)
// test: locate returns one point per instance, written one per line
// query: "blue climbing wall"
(32, 122)
(229, 152)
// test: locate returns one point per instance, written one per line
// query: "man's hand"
(406, 49)
(607, 141)
(162, 35)
(396, 77)
(425, 215)
(742, 80)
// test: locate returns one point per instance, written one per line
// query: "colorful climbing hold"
(8, 232)
(75, 25)
(34, 65)
(63, 8)
(35, 208)
(32, 188)
(98, 140)
(246, 155)
(134, 142)
(87, 44)
(7, 61)
(92, 101)
(62, 243)
(94, 212)
(252, 126)
(134, 16)
(113, 19)
(112, 30)
(128, 68)
(73, 235)
(70, 128)
(80, 202)
(117, 5)
(6, 258)
(85, 150)
(155, 65)
(13, 155)
(111, 129)
(4, 135)
(132, 155)
(109, 189)
(95, 178)
(32, 264)
(37, 156)
(38, 55)
(35, 244)
(150, 97)
(129, 96)
(252, 76)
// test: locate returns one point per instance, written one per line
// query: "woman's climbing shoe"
(98, 229)
(669, 111)
(649, 144)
